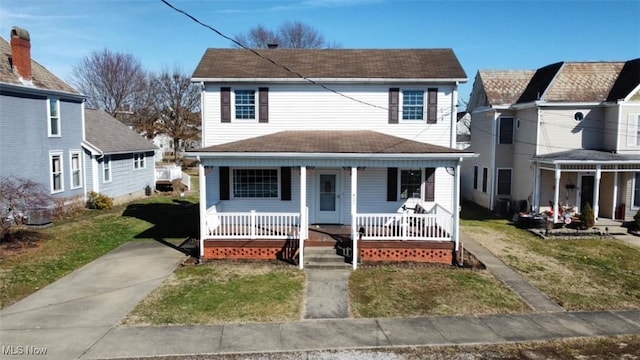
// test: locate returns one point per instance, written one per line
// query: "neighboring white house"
(556, 139)
(296, 137)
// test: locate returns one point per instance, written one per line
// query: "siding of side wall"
(372, 197)
(88, 171)
(305, 107)
(613, 129)
(25, 145)
(559, 131)
(483, 136)
(126, 182)
(628, 112)
(524, 148)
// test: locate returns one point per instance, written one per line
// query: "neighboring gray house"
(118, 161)
(41, 122)
(556, 139)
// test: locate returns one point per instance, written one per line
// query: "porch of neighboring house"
(168, 175)
(565, 182)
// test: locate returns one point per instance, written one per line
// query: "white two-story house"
(557, 138)
(359, 138)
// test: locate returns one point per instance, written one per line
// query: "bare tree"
(177, 101)
(291, 35)
(112, 81)
(19, 198)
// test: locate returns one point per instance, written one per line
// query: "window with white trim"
(410, 184)
(138, 161)
(76, 170)
(53, 113)
(106, 168)
(412, 105)
(636, 191)
(504, 181)
(255, 183)
(245, 104)
(57, 177)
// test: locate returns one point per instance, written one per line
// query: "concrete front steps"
(324, 257)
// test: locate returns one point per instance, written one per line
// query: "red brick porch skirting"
(249, 249)
(417, 251)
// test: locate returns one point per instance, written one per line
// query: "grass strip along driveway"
(42, 256)
(580, 274)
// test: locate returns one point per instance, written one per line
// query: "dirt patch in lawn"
(21, 242)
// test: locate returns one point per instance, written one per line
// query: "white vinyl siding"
(56, 171)
(76, 169)
(559, 131)
(306, 107)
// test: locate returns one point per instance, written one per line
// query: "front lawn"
(390, 291)
(223, 292)
(582, 274)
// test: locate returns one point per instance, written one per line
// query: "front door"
(328, 197)
(586, 191)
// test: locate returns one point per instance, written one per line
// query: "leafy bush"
(635, 225)
(587, 217)
(18, 198)
(99, 201)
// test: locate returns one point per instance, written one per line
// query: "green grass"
(389, 291)
(224, 292)
(74, 242)
(580, 274)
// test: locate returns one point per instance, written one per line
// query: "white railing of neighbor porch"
(253, 225)
(405, 226)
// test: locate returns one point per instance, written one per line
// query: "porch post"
(536, 188)
(202, 206)
(456, 207)
(615, 192)
(354, 212)
(596, 192)
(556, 194)
(304, 218)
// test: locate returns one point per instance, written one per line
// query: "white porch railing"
(253, 225)
(405, 226)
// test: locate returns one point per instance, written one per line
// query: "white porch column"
(615, 192)
(202, 206)
(536, 188)
(354, 212)
(304, 216)
(596, 192)
(456, 207)
(556, 194)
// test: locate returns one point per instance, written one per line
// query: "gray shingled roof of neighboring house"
(504, 87)
(326, 141)
(583, 82)
(42, 78)
(331, 64)
(581, 155)
(110, 136)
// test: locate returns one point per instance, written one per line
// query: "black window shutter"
(393, 105)
(224, 183)
(430, 184)
(392, 184)
(285, 183)
(432, 106)
(263, 95)
(225, 104)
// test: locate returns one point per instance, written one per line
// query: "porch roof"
(582, 156)
(330, 142)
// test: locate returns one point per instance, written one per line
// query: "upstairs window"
(138, 161)
(245, 104)
(412, 105)
(506, 130)
(54, 117)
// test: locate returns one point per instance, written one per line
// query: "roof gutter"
(358, 156)
(40, 91)
(331, 80)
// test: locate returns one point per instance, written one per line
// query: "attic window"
(578, 116)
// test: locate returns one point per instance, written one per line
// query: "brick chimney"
(21, 52)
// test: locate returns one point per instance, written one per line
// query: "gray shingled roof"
(331, 63)
(581, 155)
(42, 78)
(583, 82)
(111, 136)
(316, 141)
(504, 87)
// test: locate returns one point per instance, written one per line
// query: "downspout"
(493, 159)
(202, 122)
(454, 117)
(84, 164)
(456, 213)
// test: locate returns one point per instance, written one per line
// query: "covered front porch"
(565, 182)
(397, 198)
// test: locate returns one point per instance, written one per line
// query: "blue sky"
(484, 34)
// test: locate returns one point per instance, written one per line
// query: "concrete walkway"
(327, 294)
(531, 295)
(72, 314)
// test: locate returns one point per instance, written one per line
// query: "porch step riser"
(327, 267)
(324, 258)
